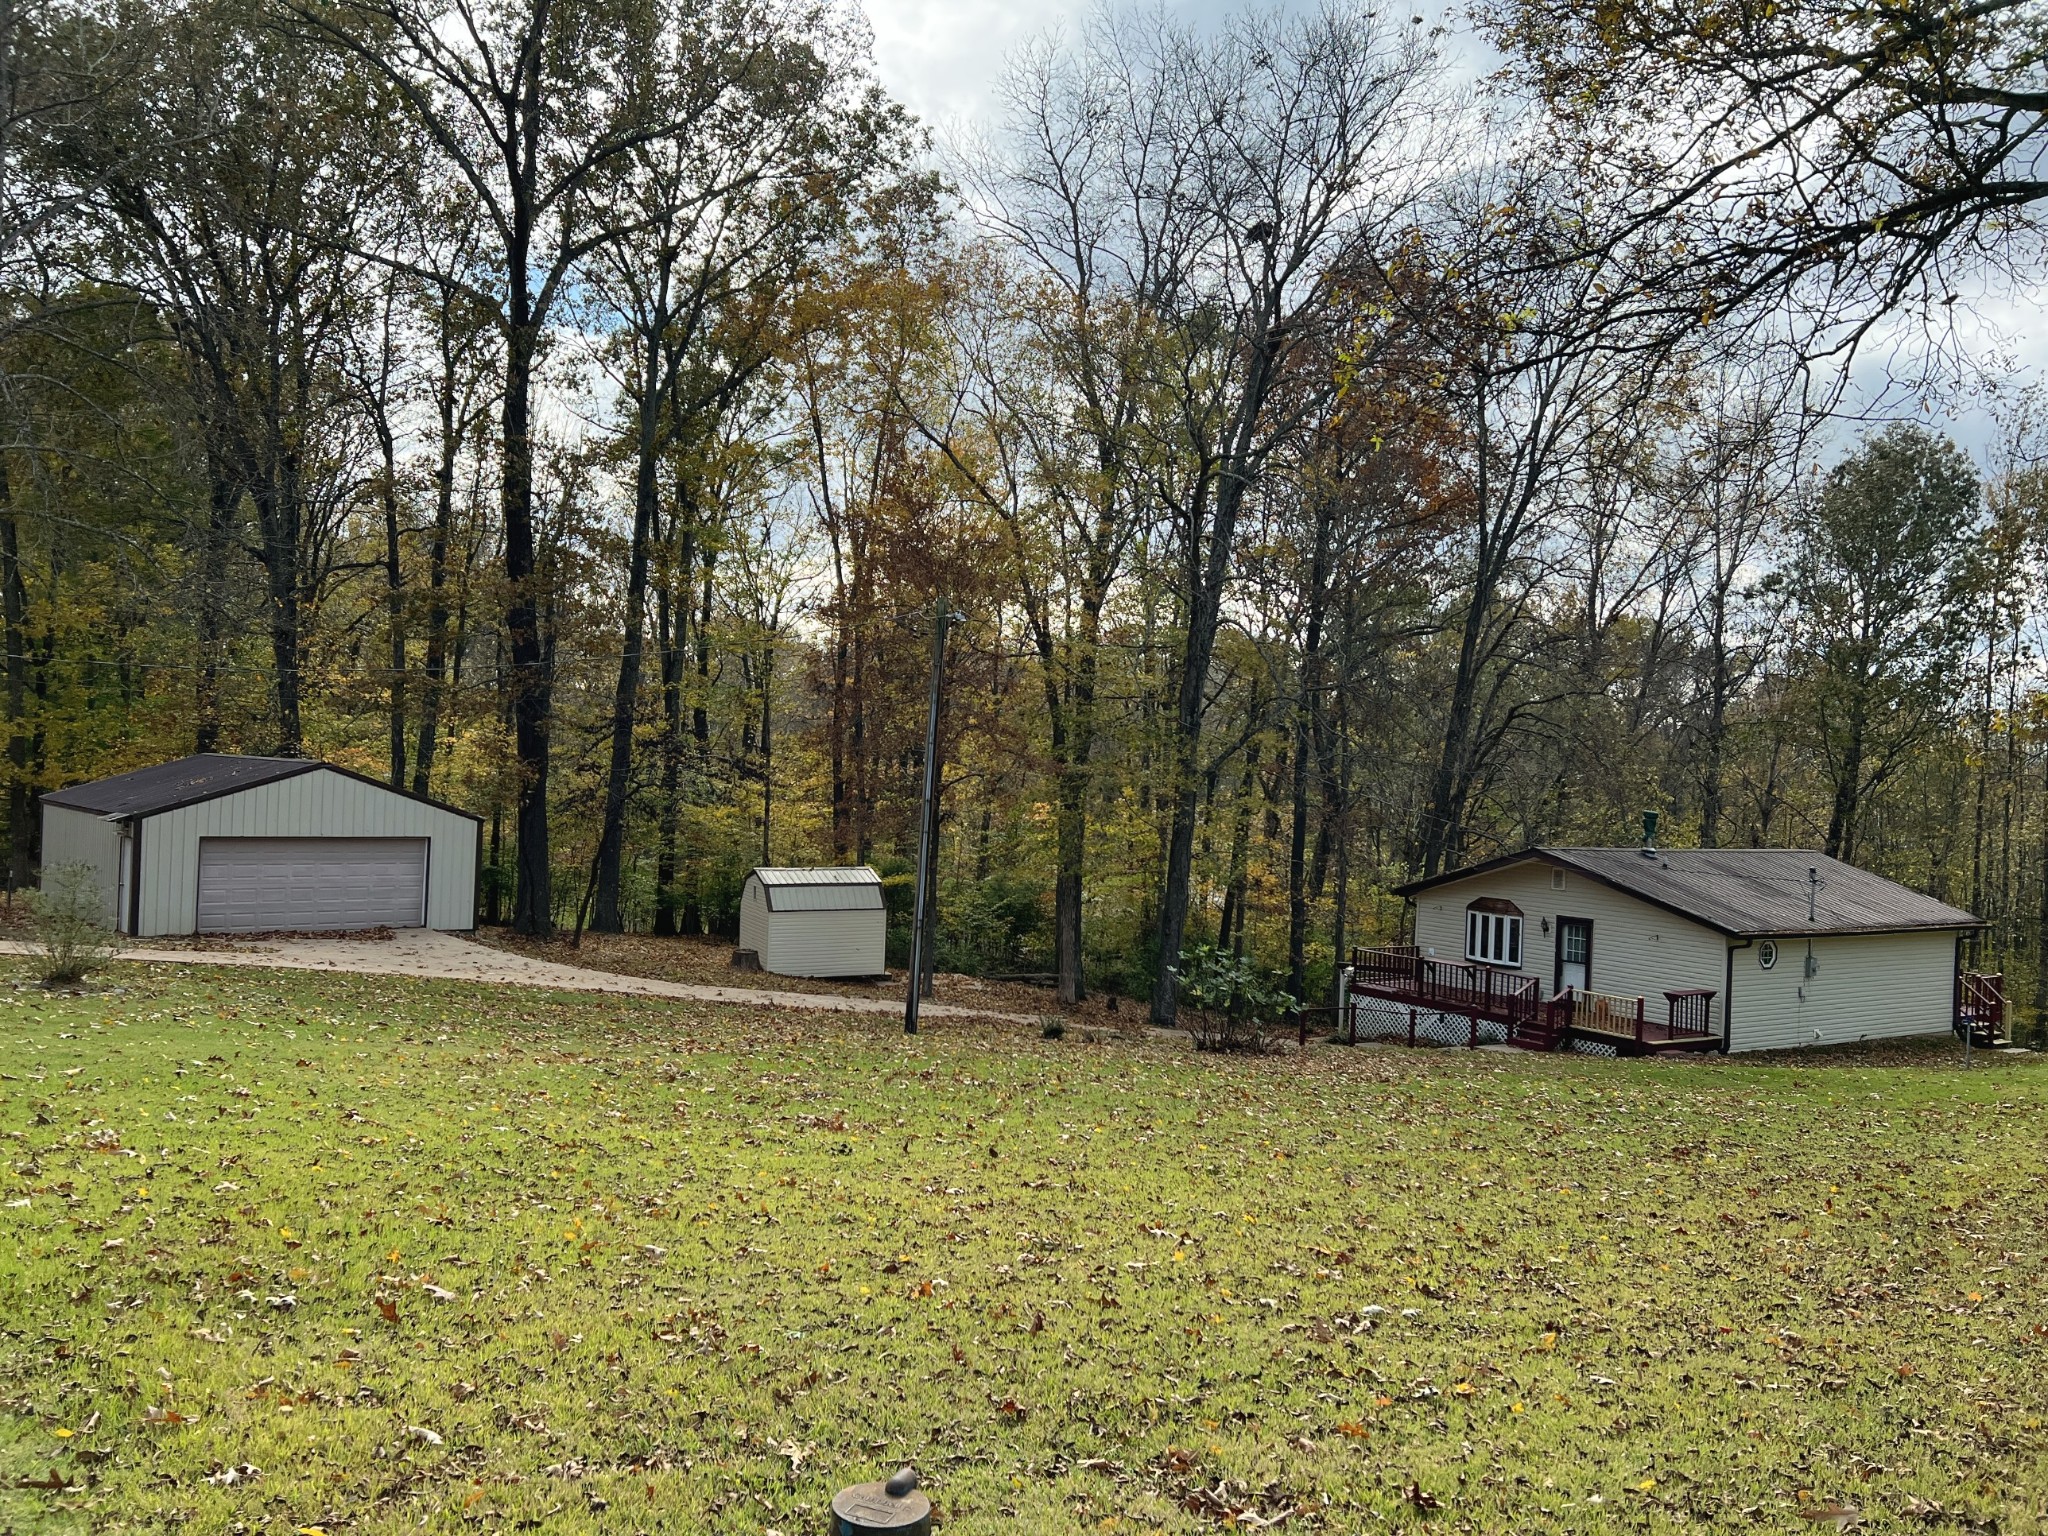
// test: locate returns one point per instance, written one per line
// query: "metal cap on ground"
(868, 1509)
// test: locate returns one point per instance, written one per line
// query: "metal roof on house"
(1743, 892)
(186, 781)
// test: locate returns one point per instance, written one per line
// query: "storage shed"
(815, 922)
(218, 843)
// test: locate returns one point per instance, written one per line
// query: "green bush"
(1226, 1001)
(69, 919)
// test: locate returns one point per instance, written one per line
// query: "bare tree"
(537, 107)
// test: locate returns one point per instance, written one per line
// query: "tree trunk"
(606, 916)
(531, 687)
(674, 602)
(394, 602)
(210, 618)
(435, 670)
(280, 546)
(1841, 841)
(1210, 569)
(14, 606)
(1306, 704)
(1443, 825)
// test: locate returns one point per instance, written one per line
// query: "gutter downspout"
(135, 879)
(1728, 997)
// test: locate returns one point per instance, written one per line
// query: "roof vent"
(1649, 834)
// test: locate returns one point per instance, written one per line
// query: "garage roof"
(1744, 892)
(186, 781)
(206, 776)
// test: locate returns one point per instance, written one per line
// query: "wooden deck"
(1403, 975)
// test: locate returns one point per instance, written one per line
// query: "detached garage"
(815, 922)
(224, 844)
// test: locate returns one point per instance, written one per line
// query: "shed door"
(312, 884)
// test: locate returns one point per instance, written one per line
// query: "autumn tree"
(1881, 582)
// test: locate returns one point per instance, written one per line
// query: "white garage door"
(314, 884)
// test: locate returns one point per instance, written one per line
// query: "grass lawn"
(291, 1253)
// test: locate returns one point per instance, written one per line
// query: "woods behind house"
(578, 410)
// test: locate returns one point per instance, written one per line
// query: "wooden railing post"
(1411, 1026)
(1639, 1021)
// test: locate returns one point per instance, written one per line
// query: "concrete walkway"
(450, 957)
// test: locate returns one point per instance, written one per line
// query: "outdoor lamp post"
(895, 1506)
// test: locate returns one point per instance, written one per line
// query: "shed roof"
(859, 874)
(1744, 892)
(205, 776)
(858, 889)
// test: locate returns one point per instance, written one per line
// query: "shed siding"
(753, 919)
(1638, 949)
(1864, 986)
(809, 941)
(85, 837)
(318, 804)
(826, 943)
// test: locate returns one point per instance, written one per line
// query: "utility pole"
(927, 827)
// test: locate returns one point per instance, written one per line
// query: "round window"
(1767, 954)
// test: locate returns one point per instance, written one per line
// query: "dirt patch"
(211, 942)
(708, 962)
(1926, 1051)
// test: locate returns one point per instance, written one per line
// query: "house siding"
(1638, 950)
(1864, 987)
(72, 836)
(316, 804)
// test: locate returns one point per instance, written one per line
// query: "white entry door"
(1574, 952)
(311, 884)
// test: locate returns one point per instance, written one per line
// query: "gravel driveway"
(450, 957)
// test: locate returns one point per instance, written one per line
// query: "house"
(218, 843)
(815, 922)
(1636, 949)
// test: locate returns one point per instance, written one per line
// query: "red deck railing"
(1401, 973)
(1980, 1005)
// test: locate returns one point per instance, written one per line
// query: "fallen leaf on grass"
(422, 1434)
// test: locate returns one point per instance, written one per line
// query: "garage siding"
(72, 836)
(332, 804)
